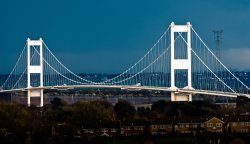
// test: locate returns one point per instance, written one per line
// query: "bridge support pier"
(181, 96)
(35, 93)
(29, 96)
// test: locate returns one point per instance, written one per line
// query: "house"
(239, 124)
(134, 128)
(88, 130)
(161, 126)
(3, 133)
(60, 129)
(214, 124)
(108, 129)
(189, 124)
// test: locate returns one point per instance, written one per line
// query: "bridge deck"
(136, 88)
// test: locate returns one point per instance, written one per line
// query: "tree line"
(19, 119)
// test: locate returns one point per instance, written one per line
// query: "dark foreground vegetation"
(100, 122)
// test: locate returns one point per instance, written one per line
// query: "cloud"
(236, 58)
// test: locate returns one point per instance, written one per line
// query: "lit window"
(154, 133)
(218, 124)
(243, 130)
(234, 124)
(104, 130)
(153, 126)
(162, 126)
(209, 124)
(187, 125)
(247, 123)
(90, 130)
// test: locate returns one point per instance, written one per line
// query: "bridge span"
(179, 62)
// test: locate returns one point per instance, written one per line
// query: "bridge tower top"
(38, 67)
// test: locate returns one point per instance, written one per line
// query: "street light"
(176, 129)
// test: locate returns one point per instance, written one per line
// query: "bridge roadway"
(135, 88)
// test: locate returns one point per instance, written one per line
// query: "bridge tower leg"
(180, 64)
(35, 69)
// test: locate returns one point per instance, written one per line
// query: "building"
(214, 124)
(108, 129)
(239, 124)
(164, 126)
(134, 128)
(3, 133)
(189, 124)
(88, 130)
(161, 126)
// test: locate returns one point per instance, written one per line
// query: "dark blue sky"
(109, 36)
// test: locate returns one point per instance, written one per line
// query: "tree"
(142, 111)
(124, 109)
(56, 102)
(15, 118)
(90, 111)
(160, 106)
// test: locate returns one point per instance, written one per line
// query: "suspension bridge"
(179, 62)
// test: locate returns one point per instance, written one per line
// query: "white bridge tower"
(180, 64)
(35, 69)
